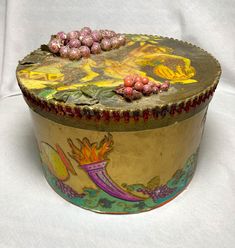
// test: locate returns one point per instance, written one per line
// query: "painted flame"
(91, 152)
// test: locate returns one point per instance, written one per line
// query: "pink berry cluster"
(77, 44)
(160, 192)
(135, 87)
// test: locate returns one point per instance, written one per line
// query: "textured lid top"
(89, 83)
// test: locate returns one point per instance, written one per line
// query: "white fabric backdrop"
(32, 215)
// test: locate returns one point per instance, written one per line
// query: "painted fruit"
(54, 162)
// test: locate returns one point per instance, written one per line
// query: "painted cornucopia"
(118, 117)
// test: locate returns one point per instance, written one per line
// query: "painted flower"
(178, 74)
(159, 192)
(162, 192)
(176, 68)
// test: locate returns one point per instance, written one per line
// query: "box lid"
(86, 87)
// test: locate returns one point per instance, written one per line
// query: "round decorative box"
(119, 129)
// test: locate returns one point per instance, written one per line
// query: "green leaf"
(87, 95)
(63, 95)
(74, 96)
(153, 183)
(105, 93)
(89, 90)
(47, 94)
(81, 99)
(107, 96)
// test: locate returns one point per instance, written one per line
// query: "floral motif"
(159, 192)
(156, 193)
(177, 74)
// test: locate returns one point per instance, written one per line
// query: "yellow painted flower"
(175, 68)
(180, 74)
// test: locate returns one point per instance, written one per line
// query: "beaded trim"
(106, 115)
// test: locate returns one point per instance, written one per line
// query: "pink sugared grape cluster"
(82, 43)
(135, 86)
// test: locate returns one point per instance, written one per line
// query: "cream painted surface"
(136, 157)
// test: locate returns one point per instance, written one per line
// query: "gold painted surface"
(136, 156)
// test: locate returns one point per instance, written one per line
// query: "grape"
(85, 51)
(155, 89)
(74, 43)
(54, 45)
(64, 52)
(106, 44)
(139, 86)
(128, 91)
(107, 34)
(87, 41)
(74, 53)
(96, 35)
(61, 35)
(73, 35)
(114, 42)
(145, 80)
(138, 79)
(128, 82)
(86, 31)
(151, 84)
(128, 77)
(95, 49)
(165, 87)
(147, 89)
(121, 39)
